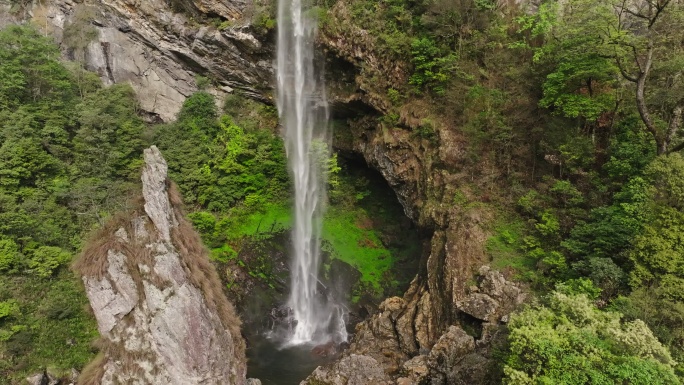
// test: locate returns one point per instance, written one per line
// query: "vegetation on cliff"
(69, 150)
(569, 116)
(570, 341)
(70, 157)
(568, 120)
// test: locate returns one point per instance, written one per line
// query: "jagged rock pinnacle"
(161, 313)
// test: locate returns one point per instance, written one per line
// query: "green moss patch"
(506, 248)
(273, 218)
(346, 238)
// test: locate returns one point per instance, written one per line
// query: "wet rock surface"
(161, 314)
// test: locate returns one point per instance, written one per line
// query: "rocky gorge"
(505, 189)
(159, 47)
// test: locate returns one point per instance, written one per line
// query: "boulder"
(350, 370)
(43, 378)
(480, 306)
(451, 347)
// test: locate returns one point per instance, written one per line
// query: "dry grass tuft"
(194, 257)
(93, 372)
(92, 262)
(202, 272)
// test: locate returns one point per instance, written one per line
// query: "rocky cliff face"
(159, 46)
(401, 344)
(158, 301)
(420, 338)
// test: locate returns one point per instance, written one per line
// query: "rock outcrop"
(160, 309)
(43, 378)
(446, 189)
(159, 46)
(399, 339)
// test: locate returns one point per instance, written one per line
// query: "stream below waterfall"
(274, 365)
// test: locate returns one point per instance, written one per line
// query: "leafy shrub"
(663, 315)
(609, 230)
(569, 341)
(431, 68)
(202, 82)
(199, 114)
(9, 254)
(223, 254)
(9, 309)
(553, 264)
(203, 222)
(45, 259)
(604, 274)
(548, 224)
(579, 286)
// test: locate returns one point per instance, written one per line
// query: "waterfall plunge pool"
(373, 227)
(275, 365)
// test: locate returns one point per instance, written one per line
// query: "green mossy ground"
(274, 218)
(505, 248)
(347, 237)
(351, 232)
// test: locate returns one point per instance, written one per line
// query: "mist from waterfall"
(303, 111)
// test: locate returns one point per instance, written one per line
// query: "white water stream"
(303, 110)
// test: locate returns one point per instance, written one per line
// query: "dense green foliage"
(69, 152)
(570, 119)
(570, 341)
(596, 49)
(221, 163)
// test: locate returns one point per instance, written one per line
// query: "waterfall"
(303, 111)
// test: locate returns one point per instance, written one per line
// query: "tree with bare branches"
(600, 51)
(650, 36)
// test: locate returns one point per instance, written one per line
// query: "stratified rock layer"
(159, 47)
(162, 316)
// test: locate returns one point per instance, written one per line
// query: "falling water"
(302, 106)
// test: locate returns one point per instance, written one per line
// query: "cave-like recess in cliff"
(379, 218)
